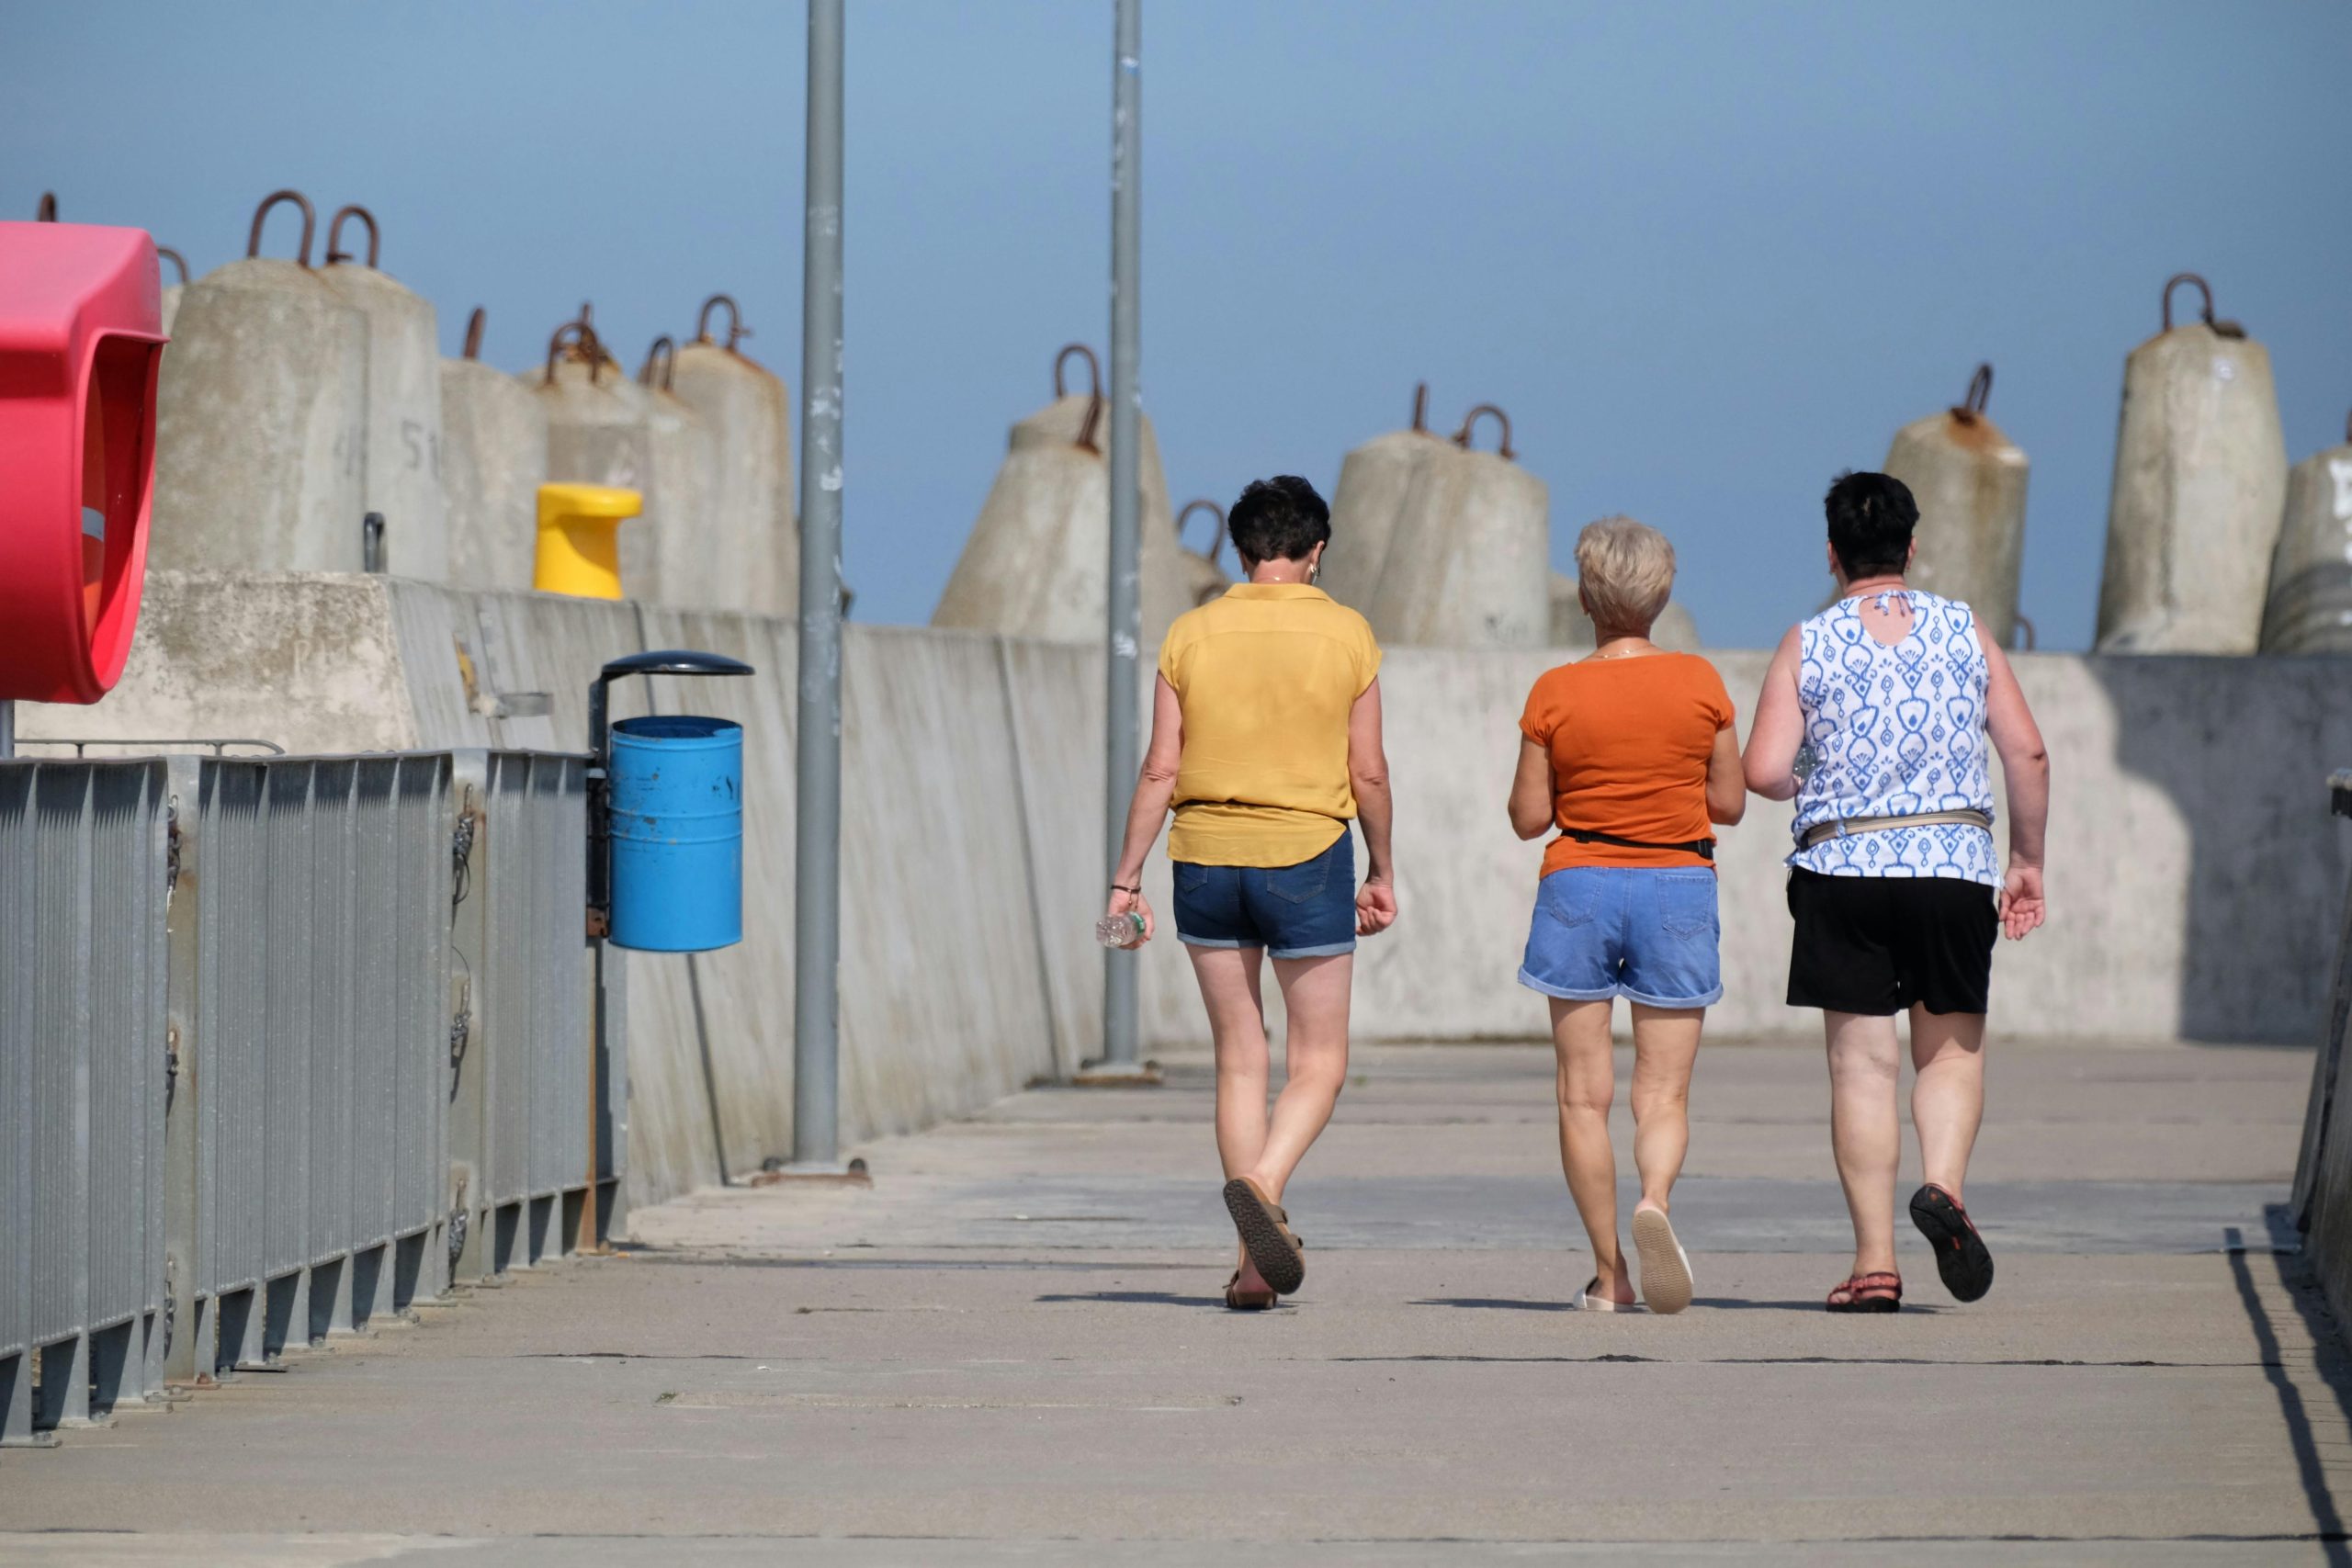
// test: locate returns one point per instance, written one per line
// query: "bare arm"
(2025, 768)
(1727, 779)
(1155, 787)
(1532, 791)
(1375, 812)
(1772, 740)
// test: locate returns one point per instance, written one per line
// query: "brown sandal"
(1867, 1292)
(1240, 1300)
(1266, 1235)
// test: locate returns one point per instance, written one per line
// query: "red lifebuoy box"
(81, 342)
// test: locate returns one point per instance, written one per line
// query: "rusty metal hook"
(2175, 281)
(1422, 406)
(1216, 544)
(335, 253)
(165, 253)
(1462, 437)
(310, 222)
(47, 211)
(735, 328)
(1093, 389)
(665, 350)
(1980, 386)
(584, 345)
(474, 325)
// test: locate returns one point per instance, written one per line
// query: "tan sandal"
(1266, 1235)
(1240, 1300)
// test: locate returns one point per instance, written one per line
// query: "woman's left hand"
(1376, 907)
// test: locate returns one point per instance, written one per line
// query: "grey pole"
(816, 1039)
(8, 727)
(1123, 752)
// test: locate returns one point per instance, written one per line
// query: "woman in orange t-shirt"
(1631, 754)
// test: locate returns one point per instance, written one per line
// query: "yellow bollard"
(579, 552)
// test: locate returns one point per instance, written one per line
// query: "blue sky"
(1704, 254)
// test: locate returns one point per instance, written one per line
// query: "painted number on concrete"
(423, 450)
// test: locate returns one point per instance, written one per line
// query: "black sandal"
(1867, 1292)
(1960, 1255)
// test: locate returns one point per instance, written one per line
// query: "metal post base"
(1117, 1075)
(831, 1173)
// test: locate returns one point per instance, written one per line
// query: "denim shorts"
(1307, 910)
(1646, 933)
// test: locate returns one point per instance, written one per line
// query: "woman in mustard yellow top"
(1265, 736)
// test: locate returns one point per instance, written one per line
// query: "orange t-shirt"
(1629, 740)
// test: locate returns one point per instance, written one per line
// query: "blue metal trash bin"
(676, 793)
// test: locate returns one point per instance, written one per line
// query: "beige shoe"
(1588, 1302)
(1666, 1268)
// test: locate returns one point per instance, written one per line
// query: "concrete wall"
(2194, 872)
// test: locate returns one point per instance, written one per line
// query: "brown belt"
(1843, 825)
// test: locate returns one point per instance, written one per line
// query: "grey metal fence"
(281, 1040)
(83, 881)
(315, 1000)
(521, 1129)
(2323, 1195)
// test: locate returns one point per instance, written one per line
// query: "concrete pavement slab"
(916, 1373)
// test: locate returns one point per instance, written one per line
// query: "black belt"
(1703, 848)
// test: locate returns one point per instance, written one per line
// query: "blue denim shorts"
(1307, 910)
(1647, 933)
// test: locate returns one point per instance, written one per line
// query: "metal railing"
(84, 882)
(286, 1043)
(521, 1141)
(312, 1011)
(2321, 1202)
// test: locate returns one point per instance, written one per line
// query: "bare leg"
(1948, 1095)
(1315, 1063)
(1863, 1131)
(1666, 1047)
(1587, 1086)
(1229, 984)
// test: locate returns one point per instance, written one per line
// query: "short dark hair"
(1278, 519)
(1871, 520)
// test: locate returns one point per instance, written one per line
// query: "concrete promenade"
(1010, 1350)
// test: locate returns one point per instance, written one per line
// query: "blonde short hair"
(1626, 569)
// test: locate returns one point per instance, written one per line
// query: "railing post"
(189, 1333)
(608, 1105)
(465, 1250)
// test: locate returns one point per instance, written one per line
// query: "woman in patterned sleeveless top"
(1874, 719)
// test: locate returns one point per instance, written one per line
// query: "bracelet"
(1136, 889)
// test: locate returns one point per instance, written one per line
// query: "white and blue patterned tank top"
(1894, 730)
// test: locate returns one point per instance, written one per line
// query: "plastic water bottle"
(1120, 930)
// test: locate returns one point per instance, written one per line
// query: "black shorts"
(1879, 944)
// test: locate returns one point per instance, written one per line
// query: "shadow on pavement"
(1137, 1298)
(2327, 1360)
(1496, 1303)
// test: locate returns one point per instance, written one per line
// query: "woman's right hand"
(1375, 905)
(1123, 902)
